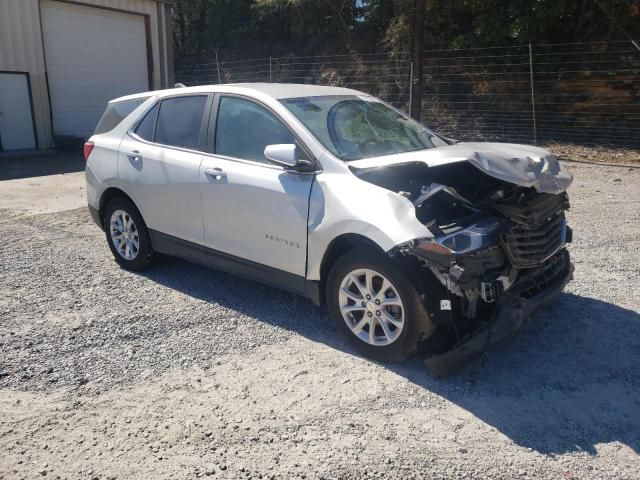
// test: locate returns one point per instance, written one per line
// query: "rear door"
(252, 209)
(159, 161)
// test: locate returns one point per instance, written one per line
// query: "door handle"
(216, 173)
(135, 156)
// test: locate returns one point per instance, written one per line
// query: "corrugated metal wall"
(21, 49)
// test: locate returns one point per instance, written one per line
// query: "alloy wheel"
(371, 307)
(124, 234)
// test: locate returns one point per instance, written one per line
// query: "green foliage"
(465, 23)
(201, 26)
(311, 27)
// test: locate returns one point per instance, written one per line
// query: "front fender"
(343, 204)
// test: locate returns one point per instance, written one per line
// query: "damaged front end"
(497, 270)
(497, 248)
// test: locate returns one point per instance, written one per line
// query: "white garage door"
(93, 55)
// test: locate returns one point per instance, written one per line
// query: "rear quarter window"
(147, 125)
(116, 112)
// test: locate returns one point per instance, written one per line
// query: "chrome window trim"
(260, 164)
(136, 123)
(221, 157)
(131, 133)
(170, 147)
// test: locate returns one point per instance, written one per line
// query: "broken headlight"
(480, 235)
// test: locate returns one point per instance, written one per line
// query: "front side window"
(146, 127)
(354, 127)
(116, 112)
(179, 121)
(244, 129)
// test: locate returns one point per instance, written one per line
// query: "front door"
(16, 120)
(252, 209)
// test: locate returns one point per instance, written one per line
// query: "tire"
(135, 258)
(393, 344)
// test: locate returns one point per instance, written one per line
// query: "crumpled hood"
(523, 165)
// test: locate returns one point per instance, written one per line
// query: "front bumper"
(535, 289)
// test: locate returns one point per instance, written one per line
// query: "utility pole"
(415, 108)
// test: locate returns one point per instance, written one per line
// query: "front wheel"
(376, 307)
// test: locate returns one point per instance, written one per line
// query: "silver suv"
(409, 238)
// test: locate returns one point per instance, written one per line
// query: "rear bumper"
(512, 311)
(95, 214)
(94, 192)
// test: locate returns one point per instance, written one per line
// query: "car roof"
(274, 90)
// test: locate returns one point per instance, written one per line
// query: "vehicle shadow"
(567, 382)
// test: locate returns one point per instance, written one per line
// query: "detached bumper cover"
(513, 310)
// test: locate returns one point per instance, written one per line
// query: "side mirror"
(286, 155)
(283, 154)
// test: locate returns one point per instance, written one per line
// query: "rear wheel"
(127, 235)
(376, 307)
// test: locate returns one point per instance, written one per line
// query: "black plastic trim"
(312, 292)
(177, 247)
(95, 215)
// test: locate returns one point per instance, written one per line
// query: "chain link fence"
(385, 76)
(585, 93)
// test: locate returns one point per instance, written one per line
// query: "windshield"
(354, 127)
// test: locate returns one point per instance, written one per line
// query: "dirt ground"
(184, 372)
(601, 154)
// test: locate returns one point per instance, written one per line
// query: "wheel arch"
(338, 247)
(422, 278)
(110, 194)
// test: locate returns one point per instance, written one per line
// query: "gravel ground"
(600, 154)
(184, 372)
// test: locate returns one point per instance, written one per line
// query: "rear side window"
(146, 127)
(116, 112)
(179, 121)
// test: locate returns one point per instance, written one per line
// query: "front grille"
(530, 245)
(536, 281)
(534, 208)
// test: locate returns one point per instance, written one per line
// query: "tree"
(307, 27)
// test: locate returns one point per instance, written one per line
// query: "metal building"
(62, 60)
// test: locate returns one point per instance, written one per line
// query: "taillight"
(88, 148)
